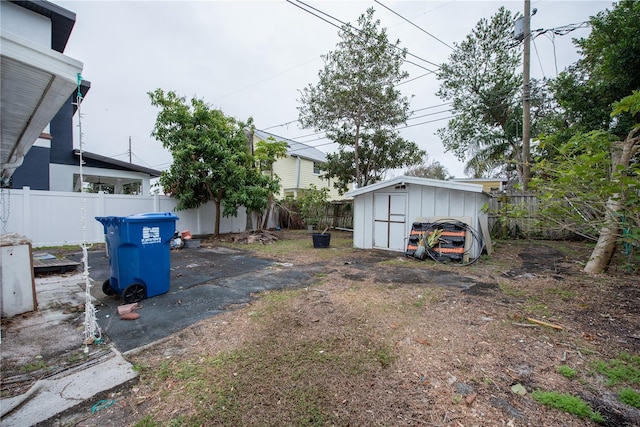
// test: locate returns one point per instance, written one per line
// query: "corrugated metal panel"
(36, 82)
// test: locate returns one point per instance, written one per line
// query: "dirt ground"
(451, 342)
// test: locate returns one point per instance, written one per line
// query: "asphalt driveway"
(204, 282)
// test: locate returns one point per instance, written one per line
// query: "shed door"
(389, 221)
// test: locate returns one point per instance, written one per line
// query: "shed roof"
(403, 180)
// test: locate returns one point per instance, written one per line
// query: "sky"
(252, 59)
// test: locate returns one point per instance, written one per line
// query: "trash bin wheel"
(134, 293)
(107, 288)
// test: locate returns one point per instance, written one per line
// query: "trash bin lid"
(109, 220)
(152, 216)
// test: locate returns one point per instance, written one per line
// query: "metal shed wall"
(423, 200)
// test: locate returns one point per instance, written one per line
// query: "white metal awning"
(36, 82)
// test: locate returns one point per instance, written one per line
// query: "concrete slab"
(53, 395)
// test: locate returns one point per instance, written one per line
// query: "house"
(37, 78)
(300, 169)
(384, 213)
(39, 87)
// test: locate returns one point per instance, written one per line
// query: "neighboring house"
(489, 185)
(300, 169)
(39, 86)
(384, 212)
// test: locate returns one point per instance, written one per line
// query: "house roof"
(62, 20)
(412, 180)
(36, 81)
(296, 149)
(118, 164)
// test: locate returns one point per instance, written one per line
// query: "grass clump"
(624, 369)
(147, 421)
(566, 371)
(630, 397)
(510, 290)
(35, 366)
(568, 403)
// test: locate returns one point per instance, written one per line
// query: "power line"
(418, 27)
(316, 133)
(359, 30)
(428, 121)
(431, 114)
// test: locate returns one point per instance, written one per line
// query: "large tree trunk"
(605, 247)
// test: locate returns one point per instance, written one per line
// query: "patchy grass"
(567, 403)
(37, 365)
(533, 306)
(375, 342)
(298, 241)
(624, 369)
(510, 290)
(564, 294)
(566, 371)
(629, 396)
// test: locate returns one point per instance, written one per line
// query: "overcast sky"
(251, 59)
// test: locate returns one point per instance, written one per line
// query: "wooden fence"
(338, 214)
(515, 215)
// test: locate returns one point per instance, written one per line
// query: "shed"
(385, 212)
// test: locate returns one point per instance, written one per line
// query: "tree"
(624, 199)
(592, 184)
(606, 73)
(356, 100)
(591, 161)
(483, 83)
(266, 153)
(383, 150)
(211, 157)
(429, 169)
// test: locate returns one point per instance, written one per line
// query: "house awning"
(35, 83)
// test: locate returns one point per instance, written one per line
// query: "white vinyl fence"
(55, 218)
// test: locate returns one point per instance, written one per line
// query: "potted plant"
(313, 205)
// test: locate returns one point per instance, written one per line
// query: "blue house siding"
(34, 172)
(61, 130)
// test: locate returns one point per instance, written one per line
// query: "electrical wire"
(344, 24)
(418, 27)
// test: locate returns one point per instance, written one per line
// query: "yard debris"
(130, 316)
(262, 237)
(518, 389)
(127, 308)
(540, 322)
(469, 399)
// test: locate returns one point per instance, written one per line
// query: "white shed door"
(389, 221)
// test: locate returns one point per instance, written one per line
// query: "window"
(316, 168)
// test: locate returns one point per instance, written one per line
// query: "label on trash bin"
(150, 235)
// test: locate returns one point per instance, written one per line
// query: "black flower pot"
(321, 240)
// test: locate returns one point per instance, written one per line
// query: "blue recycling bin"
(139, 248)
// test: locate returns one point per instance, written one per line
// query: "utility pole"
(526, 97)
(129, 149)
